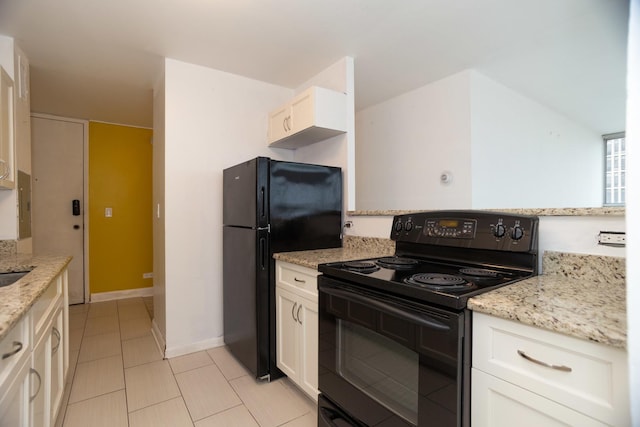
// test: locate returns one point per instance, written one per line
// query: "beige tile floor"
(117, 377)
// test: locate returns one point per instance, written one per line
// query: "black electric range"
(394, 332)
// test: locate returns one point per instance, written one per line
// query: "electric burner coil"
(437, 281)
(397, 263)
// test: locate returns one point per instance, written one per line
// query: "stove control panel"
(469, 229)
(453, 228)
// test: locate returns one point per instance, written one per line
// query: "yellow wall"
(120, 247)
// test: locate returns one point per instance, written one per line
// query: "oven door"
(388, 362)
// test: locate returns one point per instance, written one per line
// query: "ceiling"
(99, 60)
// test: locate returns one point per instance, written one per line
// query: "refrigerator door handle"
(262, 203)
(263, 253)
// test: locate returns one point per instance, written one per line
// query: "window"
(615, 167)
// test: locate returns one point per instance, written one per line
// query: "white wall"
(340, 150)
(420, 133)
(159, 277)
(502, 149)
(517, 142)
(213, 120)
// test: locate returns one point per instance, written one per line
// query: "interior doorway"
(58, 194)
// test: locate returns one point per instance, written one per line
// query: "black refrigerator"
(270, 206)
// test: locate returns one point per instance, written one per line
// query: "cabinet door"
(497, 403)
(14, 397)
(303, 111)
(38, 385)
(280, 123)
(308, 316)
(287, 333)
(7, 128)
(57, 363)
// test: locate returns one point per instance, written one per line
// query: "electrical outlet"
(612, 238)
(147, 275)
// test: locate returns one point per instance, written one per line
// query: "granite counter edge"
(16, 302)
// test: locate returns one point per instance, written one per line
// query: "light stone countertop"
(579, 295)
(17, 298)
(604, 211)
(353, 248)
(311, 259)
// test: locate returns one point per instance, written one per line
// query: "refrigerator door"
(305, 206)
(246, 297)
(246, 188)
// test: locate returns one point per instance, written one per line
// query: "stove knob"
(517, 233)
(398, 226)
(499, 231)
(408, 226)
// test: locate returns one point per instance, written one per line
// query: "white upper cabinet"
(314, 115)
(7, 130)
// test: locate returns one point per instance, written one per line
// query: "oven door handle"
(400, 312)
(328, 415)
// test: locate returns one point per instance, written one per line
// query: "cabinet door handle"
(298, 313)
(16, 350)
(56, 333)
(292, 310)
(33, 371)
(545, 364)
(299, 280)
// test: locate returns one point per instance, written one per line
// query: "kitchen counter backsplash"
(8, 248)
(594, 268)
(369, 243)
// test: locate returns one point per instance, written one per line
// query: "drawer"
(588, 377)
(301, 280)
(497, 403)
(14, 347)
(43, 309)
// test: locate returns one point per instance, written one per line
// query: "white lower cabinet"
(14, 396)
(32, 379)
(543, 378)
(297, 325)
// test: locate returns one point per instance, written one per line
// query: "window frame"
(606, 138)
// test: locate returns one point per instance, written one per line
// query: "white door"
(58, 179)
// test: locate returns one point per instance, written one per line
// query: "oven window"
(381, 368)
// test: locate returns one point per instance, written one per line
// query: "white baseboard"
(159, 339)
(192, 348)
(129, 293)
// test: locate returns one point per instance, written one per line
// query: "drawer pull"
(548, 365)
(16, 350)
(33, 371)
(299, 280)
(56, 333)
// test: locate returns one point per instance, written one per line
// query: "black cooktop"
(443, 283)
(446, 257)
